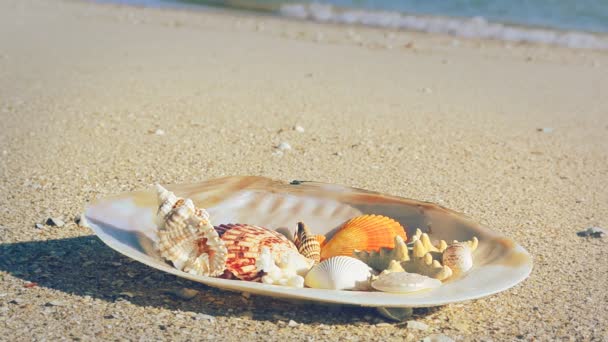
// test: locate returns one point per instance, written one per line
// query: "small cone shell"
(364, 233)
(307, 243)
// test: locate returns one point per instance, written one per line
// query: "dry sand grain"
(85, 89)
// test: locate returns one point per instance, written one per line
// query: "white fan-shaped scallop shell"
(404, 282)
(339, 273)
(127, 223)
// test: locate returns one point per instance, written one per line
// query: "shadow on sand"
(84, 266)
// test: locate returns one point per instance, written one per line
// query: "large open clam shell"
(126, 223)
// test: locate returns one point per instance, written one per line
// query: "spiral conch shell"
(365, 233)
(308, 244)
(182, 228)
(187, 238)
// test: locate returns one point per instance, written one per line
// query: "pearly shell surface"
(404, 282)
(339, 273)
(127, 223)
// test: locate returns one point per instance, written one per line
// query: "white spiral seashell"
(458, 257)
(404, 282)
(339, 273)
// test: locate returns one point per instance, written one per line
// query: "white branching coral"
(288, 270)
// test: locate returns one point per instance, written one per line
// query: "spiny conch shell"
(244, 244)
(364, 233)
(307, 243)
(181, 230)
(380, 260)
(340, 273)
(458, 257)
(404, 282)
(289, 271)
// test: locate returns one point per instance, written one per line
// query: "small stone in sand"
(54, 303)
(127, 294)
(17, 301)
(437, 338)
(292, 323)
(416, 325)
(183, 293)
(298, 129)
(201, 316)
(39, 225)
(595, 232)
(284, 146)
(159, 131)
(54, 221)
(545, 129)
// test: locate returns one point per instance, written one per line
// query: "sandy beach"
(97, 99)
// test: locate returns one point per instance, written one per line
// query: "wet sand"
(513, 135)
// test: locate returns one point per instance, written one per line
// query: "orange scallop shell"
(244, 244)
(364, 233)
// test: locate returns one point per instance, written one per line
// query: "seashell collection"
(366, 253)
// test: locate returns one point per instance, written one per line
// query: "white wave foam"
(477, 27)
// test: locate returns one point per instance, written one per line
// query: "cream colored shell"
(339, 273)
(458, 257)
(404, 282)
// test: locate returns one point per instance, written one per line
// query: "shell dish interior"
(125, 223)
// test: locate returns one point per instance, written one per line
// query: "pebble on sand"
(416, 325)
(595, 232)
(201, 316)
(17, 301)
(39, 225)
(545, 129)
(292, 323)
(54, 303)
(284, 146)
(298, 129)
(157, 131)
(437, 338)
(183, 293)
(54, 221)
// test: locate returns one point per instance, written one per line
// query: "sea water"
(571, 23)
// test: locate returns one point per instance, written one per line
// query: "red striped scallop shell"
(244, 244)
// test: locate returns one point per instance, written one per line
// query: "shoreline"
(458, 27)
